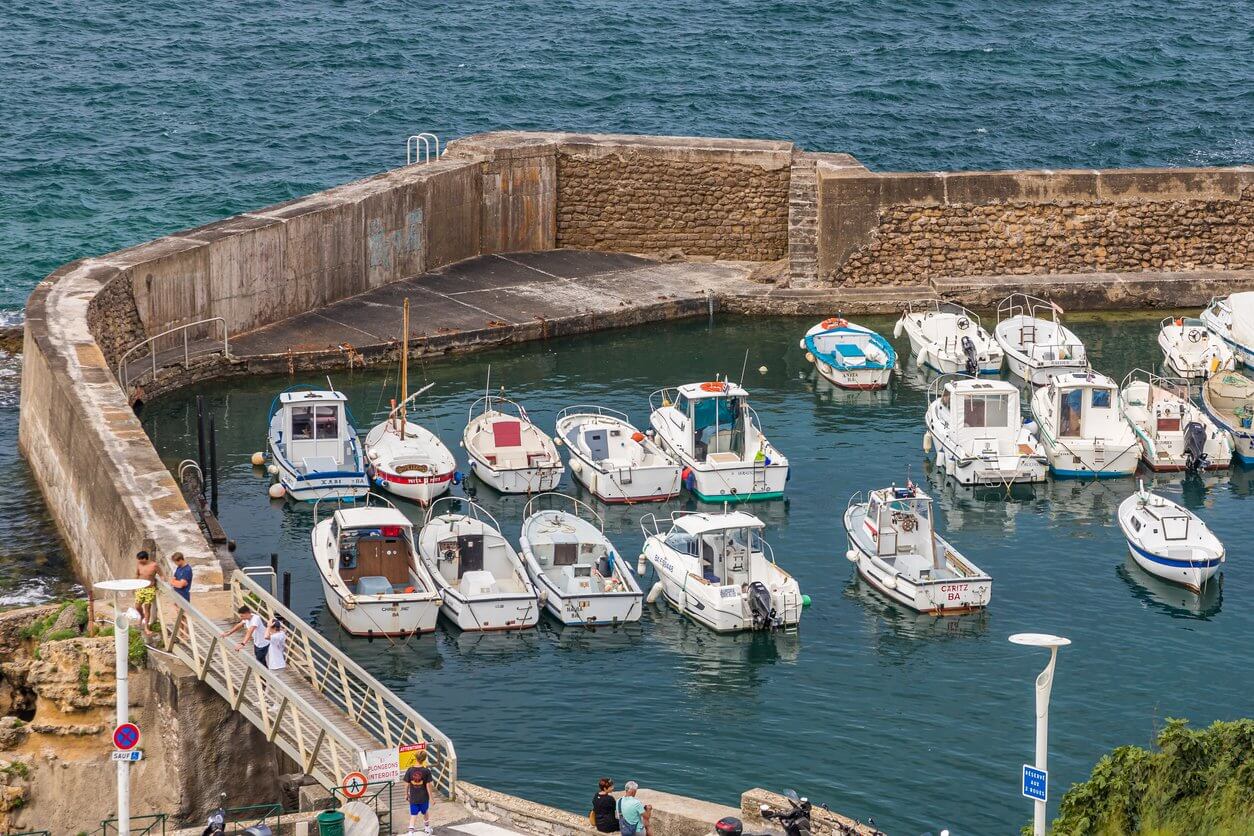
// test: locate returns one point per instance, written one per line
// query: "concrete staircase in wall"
(803, 221)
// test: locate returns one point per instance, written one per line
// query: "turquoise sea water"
(918, 721)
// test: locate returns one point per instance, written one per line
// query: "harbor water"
(920, 722)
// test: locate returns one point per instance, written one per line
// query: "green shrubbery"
(1199, 783)
(38, 629)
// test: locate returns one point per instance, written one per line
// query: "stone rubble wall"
(725, 199)
(887, 230)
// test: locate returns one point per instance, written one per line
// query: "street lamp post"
(121, 646)
(1044, 683)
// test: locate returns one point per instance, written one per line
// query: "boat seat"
(506, 434)
(849, 351)
(478, 582)
(722, 458)
(711, 577)
(373, 585)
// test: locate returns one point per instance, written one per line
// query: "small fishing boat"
(1080, 422)
(1168, 540)
(717, 570)
(614, 460)
(405, 458)
(578, 572)
(948, 338)
(975, 429)
(849, 355)
(897, 551)
(481, 579)
(1228, 400)
(1232, 321)
(314, 445)
(371, 577)
(714, 433)
(508, 451)
(1175, 433)
(1036, 343)
(1191, 350)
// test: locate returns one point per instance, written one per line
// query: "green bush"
(17, 769)
(1198, 782)
(137, 653)
(84, 674)
(58, 635)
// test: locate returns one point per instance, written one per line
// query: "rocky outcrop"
(74, 674)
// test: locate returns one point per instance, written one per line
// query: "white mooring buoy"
(277, 491)
(258, 459)
(273, 470)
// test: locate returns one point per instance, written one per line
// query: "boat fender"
(802, 344)
(851, 556)
(762, 369)
(557, 441)
(890, 583)
(927, 442)
(901, 323)
(410, 590)
(576, 466)
(273, 469)
(277, 491)
(920, 359)
(543, 597)
(805, 601)
(372, 454)
(640, 565)
(686, 476)
(809, 357)
(258, 459)
(458, 477)
(637, 436)
(655, 593)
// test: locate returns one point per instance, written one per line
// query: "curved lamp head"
(122, 585)
(1039, 640)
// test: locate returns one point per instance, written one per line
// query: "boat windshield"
(681, 541)
(986, 410)
(718, 427)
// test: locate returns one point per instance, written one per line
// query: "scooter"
(795, 820)
(216, 825)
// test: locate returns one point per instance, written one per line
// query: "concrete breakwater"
(834, 234)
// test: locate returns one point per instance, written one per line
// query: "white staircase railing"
(370, 705)
(124, 372)
(419, 147)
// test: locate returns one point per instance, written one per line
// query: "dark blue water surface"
(120, 121)
(915, 720)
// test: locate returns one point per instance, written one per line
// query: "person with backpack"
(633, 814)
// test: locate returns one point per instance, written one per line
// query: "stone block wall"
(880, 230)
(724, 199)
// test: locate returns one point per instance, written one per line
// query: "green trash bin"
(330, 823)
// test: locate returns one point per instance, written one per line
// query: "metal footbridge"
(323, 710)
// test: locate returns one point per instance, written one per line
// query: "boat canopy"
(716, 389)
(1242, 307)
(353, 518)
(698, 524)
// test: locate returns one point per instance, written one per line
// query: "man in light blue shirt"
(633, 814)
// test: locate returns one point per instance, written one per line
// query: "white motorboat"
(1080, 422)
(371, 577)
(1175, 433)
(405, 458)
(976, 430)
(717, 570)
(894, 544)
(849, 355)
(714, 433)
(1228, 400)
(614, 460)
(948, 338)
(314, 445)
(508, 451)
(1168, 540)
(1191, 350)
(480, 577)
(1036, 343)
(580, 576)
(1232, 321)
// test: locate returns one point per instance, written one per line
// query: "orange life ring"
(714, 386)
(834, 322)
(637, 437)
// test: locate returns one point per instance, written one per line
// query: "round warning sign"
(126, 736)
(354, 785)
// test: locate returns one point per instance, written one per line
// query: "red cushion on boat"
(507, 434)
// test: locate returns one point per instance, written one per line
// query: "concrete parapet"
(822, 822)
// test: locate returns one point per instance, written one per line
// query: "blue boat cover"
(849, 350)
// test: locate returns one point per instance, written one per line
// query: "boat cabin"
(1164, 520)
(1085, 405)
(313, 432)
(374, 546)
(724, 544)
(577, 566)
(982, 405)
(477, 561)
(713, 418)
(899, 521)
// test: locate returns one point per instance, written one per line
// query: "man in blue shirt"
(182, 581)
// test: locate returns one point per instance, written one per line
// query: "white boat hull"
(490, 613)
(722, 609)
(382, 615)
(523, 480)
(589, 610)
(939, 597)
(987, 469)
(928, 354)
(854, 378)
(636, 484)
(312, 487)
(1038, 374)
(731, 482)
(421, 489)
(1192, 576)
(1083, 458)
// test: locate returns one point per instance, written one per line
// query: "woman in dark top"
(603, 808)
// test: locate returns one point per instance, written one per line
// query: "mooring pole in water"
(274, 562)
(213, 466)
(287, 590)
(200, 441)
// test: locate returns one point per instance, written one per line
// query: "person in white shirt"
(255, 629)
(276, 657)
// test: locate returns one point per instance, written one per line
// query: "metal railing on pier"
(419, 147)
(336, 678)
(189, 349)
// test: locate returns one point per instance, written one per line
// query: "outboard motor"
(973, 359)
(1195, 457)
(760, 607)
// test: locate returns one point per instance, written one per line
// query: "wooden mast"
(404, 364)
